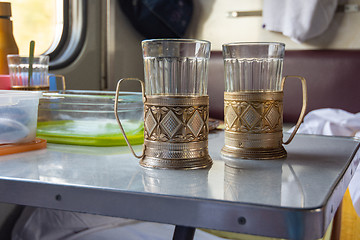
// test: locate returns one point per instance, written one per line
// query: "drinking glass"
(25, 78)
(176, 104)
(253, 100)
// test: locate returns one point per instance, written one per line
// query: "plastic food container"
(18, 116)
(87, 118)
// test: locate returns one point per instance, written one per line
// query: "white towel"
(299, 20)
(336, 122)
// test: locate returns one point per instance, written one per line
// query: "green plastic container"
(87, 118)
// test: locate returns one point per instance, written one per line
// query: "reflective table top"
(304, 188)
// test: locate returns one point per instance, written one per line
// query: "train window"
(57, 26)
(37, 20)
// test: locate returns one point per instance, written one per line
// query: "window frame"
(73, 34)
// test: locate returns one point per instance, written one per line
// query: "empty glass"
(176, 104)
(253, 101)
(253, 66)
(176, 67)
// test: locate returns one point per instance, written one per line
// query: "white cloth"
(48, 224)
(336, 122)
(299, 20)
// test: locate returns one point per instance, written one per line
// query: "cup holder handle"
(303, 109)
(117, 116)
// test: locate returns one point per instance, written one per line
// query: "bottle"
(7, 40)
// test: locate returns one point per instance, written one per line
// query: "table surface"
(295, 197)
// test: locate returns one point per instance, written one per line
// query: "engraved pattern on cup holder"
(176, 132)
(253, 112)
(253, 125)
(185, 121)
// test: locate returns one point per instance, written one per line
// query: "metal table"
(294, 198)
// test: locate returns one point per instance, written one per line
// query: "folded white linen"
(299, 20)
(336, 122)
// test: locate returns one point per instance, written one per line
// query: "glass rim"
(26, 56)
(253, 44)
(176, 40)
